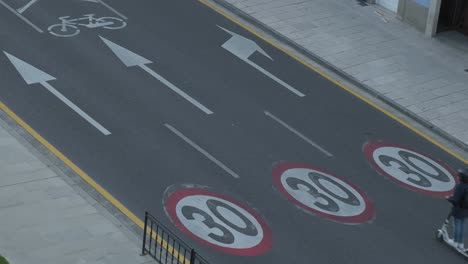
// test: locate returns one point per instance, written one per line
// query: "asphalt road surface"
(244, 152)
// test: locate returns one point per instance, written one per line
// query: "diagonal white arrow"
(243, 48)
(131, 59)
(33, 75)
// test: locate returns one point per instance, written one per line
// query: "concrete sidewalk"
(424, 77)
(46, 218)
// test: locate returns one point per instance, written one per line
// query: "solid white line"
(28, 5)
(75, 108)
(281, 122)
(112, 9)
(21, 16)
(276, 79)
(202, 151)
(177, 90)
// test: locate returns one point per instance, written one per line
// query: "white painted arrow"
(32, 75)
(131, 59)
(243, 48)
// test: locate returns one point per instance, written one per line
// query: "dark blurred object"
(453, 16)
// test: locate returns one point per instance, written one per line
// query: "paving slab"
(46, 220)
(425, 76)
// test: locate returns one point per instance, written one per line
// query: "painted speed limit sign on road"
(219, 222)
(411, 168)
(323, 193)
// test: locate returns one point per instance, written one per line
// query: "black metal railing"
(164, 246)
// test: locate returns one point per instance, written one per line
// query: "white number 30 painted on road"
(219, 222)
(323, 193)
(410, 168)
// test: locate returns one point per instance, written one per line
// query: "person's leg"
(457, 231)
(461, 243)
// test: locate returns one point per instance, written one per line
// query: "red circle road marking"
(437, 188)
(184, 195)
(366, 213)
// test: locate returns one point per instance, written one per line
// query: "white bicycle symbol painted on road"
(68, 27)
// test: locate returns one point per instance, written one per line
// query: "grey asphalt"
(424, 77)
(48, 218)
(141, 158)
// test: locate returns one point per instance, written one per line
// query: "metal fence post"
(192, 256)
(143, 249)
(166, 244)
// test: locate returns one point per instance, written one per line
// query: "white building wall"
(391, 5)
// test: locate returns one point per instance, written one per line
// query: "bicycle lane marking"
(238, 22)
(19, 12)
(69, 27)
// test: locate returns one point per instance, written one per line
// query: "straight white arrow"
(32, 75)
(243, 48)
(131, 59)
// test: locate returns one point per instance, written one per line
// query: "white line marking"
(75, 108)
(202, 151)
(281, 122)
(276, 79)
(21, 17)
(28, 5)
(112, 9)
(177, 90)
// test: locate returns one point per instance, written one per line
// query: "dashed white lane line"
(306, 139)
(202, 151)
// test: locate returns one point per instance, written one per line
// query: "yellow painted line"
(132, 216)
(88, 179)
(169, 248)
(72, 165)
(326, 76)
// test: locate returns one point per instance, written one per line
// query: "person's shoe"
(461, 247)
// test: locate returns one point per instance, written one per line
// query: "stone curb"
(79, 185)
(287, 41)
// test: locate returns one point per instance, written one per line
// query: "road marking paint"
(33, 75)
(202, 151)
(306, 139)
(177, 90)
(218, 222)
(131, 59)
(411, 168)
(323, 193)
(28, 5)
(76, 108)
(243, 48)
(336, 82)
(72, 165)
(112, 9)
(21, 17)
(109, 197)
(276, 79)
